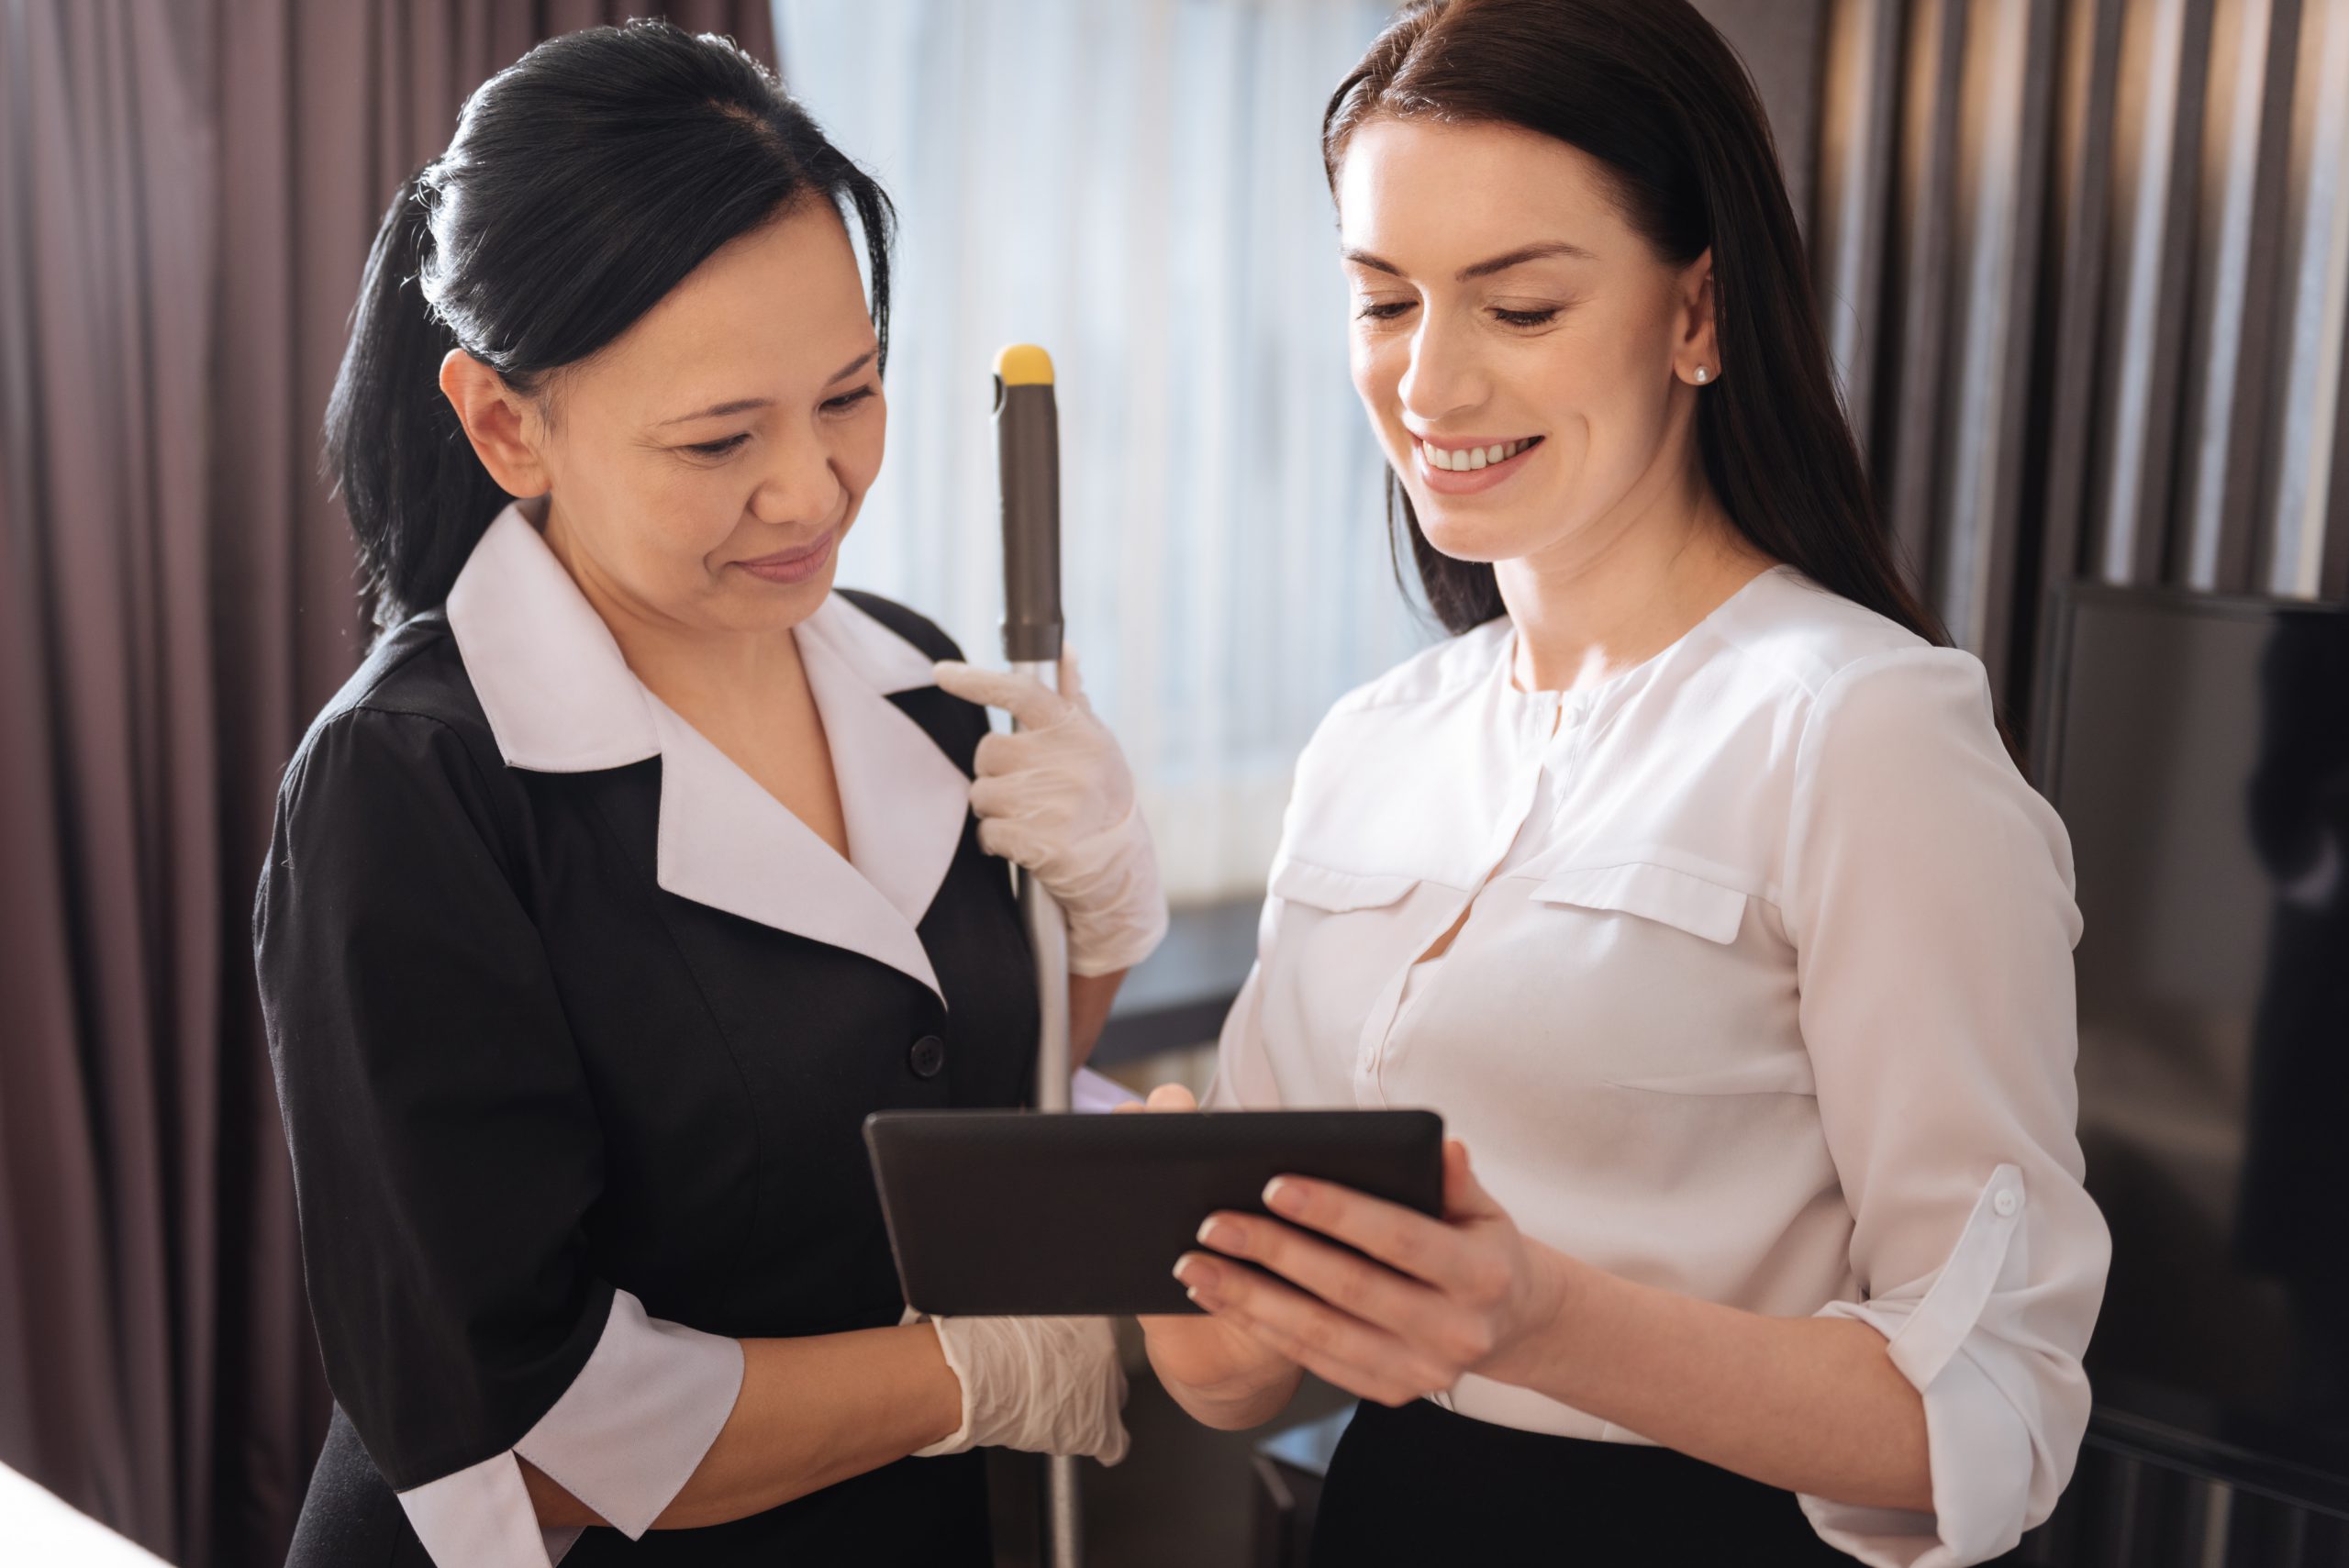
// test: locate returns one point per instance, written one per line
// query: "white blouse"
(1763, 995)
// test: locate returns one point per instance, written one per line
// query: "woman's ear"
(1697, 356)
(497, 420)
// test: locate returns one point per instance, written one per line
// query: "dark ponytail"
(417, 496)
(584, 182)
(1648, 89)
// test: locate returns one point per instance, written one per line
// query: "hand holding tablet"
(1213, 1367)
(1389, 1301)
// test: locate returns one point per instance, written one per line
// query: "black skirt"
(1423, 1485)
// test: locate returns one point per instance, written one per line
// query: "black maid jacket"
(574, 1029)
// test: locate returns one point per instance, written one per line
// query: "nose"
(799, 485)
(1445, 375)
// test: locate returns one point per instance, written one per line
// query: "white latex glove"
(1054, 797)
(1039, 1384)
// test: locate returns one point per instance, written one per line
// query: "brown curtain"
(187, 191)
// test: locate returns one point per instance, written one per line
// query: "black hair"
(584, 182)
(1648, 89)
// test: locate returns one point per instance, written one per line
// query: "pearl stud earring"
(1700, 375)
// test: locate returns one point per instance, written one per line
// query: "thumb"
(1172, 1097)
(1465, 1198)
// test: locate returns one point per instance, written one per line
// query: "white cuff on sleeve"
(623, 1439)
(1977, 1441)
(1982, 1468)
(479, 1514)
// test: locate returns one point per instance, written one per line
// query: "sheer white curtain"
(1137, 186)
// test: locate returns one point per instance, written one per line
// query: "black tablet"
(1032, 1213)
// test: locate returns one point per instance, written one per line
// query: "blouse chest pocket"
(1340, 935)
(1697, 904)
(1714, 1020)
(1338, 892)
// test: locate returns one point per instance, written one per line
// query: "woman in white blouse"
(1691, 881)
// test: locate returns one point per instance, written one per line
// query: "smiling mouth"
(1469, 458)
(793, 565)
(793, 557)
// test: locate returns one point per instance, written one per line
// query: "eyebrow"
(1484, 269)
(744, 405)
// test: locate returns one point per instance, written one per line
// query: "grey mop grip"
(1027, 454)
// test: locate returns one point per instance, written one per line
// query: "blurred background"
(2085, 268)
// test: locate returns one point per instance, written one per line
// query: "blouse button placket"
(1542, 716)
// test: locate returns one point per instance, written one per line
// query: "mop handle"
(1027, 459)
(1028, 465)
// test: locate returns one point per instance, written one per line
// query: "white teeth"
(1470, 457)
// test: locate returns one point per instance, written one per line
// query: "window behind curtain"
(1137, 187)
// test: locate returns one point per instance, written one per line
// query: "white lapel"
(560, 698)
(906, 801)
(726, 842)
(556, 689)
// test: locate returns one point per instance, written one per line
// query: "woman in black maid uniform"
(636, 865)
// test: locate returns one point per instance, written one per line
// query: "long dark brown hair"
(1648, 89)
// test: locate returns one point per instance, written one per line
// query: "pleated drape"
(2085, 268)
(187, 191)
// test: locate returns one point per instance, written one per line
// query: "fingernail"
(1222, 1235)
(1194, 1272)
(1280, 1193)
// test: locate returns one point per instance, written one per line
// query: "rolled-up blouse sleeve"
(1930, 900)
(446, 1155)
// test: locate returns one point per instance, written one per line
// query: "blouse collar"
(1544, 714)
(560, 698)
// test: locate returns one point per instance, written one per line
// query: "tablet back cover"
(1027, 1213)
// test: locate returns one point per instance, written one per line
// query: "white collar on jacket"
(560, 698)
